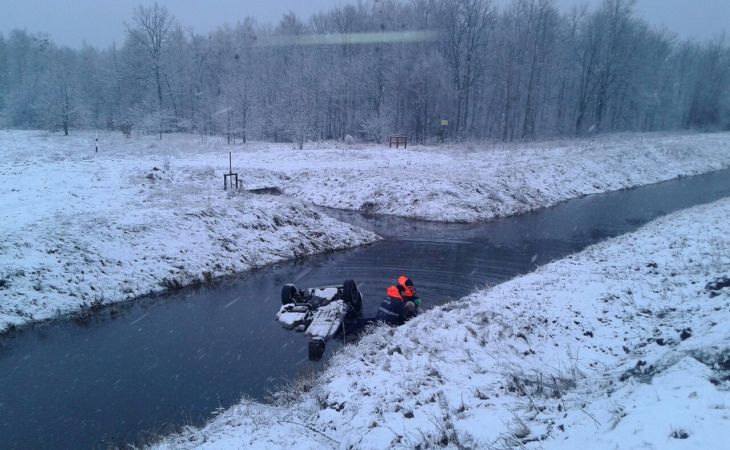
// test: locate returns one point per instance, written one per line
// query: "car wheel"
(351, 295)
(288, 294)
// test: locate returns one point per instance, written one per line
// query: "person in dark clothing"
(400, 304)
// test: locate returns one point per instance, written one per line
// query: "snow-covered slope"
(81, 228)
(455, 182)
(477, 182)
(624, 345)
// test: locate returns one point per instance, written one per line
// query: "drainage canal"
(149, 367)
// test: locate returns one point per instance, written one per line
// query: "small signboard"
(444, 123)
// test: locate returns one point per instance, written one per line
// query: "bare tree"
(150, 29)
(466, 24)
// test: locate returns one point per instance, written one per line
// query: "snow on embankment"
(623, 345)
(459, 184)
(80, 229)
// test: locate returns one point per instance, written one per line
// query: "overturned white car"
(319, 312)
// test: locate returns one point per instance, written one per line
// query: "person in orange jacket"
(400, 304)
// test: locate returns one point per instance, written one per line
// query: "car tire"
(288, 294)
(351, 294)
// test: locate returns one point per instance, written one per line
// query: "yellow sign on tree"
(444, 123)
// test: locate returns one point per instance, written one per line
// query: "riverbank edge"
(112, 310)
(477, 182)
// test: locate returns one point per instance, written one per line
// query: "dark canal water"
(143, 369)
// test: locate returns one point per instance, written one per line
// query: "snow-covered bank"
(457, 182)
(623, 345)
(80, 228)
(472, 182)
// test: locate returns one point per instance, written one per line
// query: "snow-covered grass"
(80, 228)
(624, 345)
(451, 183)
(465, 182)
(472, 182)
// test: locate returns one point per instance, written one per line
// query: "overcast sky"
(100, 22)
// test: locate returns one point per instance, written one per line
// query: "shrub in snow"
(349, 140)
(679, 434)
(126, 129)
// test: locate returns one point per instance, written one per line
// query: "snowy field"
(624, 345)
(81, 228)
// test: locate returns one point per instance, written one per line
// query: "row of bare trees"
(375, 68)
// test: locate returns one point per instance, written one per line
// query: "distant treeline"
(376, 68)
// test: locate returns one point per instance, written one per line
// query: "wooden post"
(230, 176)
(397, 140)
